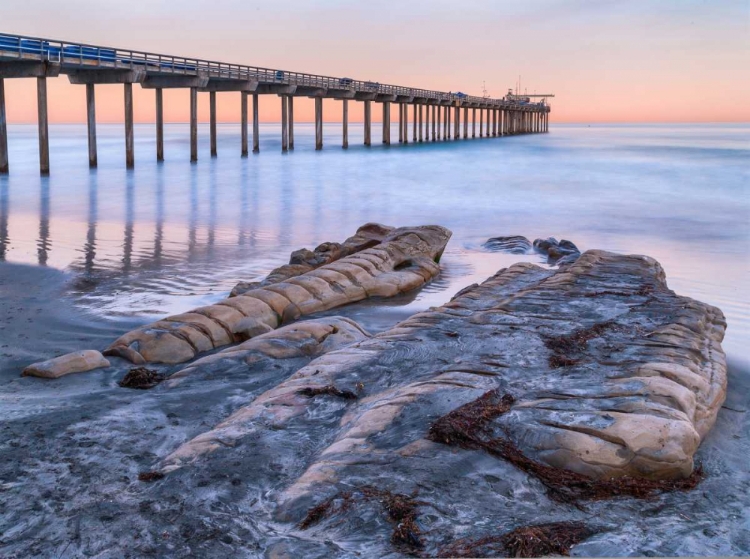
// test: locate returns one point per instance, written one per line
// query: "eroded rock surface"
(76, 362)
(405, 259)
(304, 260)
(514, 244)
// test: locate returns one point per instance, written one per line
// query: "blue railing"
(76, 54)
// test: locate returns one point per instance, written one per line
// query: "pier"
(88, 65)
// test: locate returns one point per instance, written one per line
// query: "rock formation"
(405, 259)
(303, 260)
(609, 374)
(76, 362)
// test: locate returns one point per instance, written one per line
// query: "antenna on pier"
(485, 93)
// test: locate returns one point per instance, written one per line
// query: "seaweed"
(401, 510)
(150, 476)
(468, 427)
(329, 389)
(566, 350)
(141, 378)
(540, 540)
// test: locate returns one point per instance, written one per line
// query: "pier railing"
(88, 56)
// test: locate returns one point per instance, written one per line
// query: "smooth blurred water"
(167, 237)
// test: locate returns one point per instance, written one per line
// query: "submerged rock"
(557, 252)
(514, 244)
(405, 259)
(76, 362)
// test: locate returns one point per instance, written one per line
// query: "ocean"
(167, 237)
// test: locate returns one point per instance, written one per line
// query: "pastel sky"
(605, 61)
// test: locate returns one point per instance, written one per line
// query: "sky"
(605, 61)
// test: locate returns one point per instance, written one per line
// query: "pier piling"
(129, 140)
(368, 123)
(159, 124)
(212, 121)
(243, 123)
(256, 127)
(345, 125)
(193, 124)
(41, 96)
(318, 123)
(91, 123)
(4, 164)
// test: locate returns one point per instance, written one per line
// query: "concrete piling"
(290, 116)
(434, 113)
(414, 126)
(345, 125)
(41, 96)
(285, 125)
(212, 121)
(91, 124)
(193, 124)
(4, 163)
(159, 124)
(421, 127)
(466, 122)
(129, 140)
(318, 123)
(386, 123)
(400, 123)
(368, 123)
(439, 108)
(256, 125)
(243, 122)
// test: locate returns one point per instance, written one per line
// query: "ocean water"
(164, 238)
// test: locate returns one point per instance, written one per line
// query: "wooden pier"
(33, 57)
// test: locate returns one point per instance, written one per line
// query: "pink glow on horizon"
(639, 61)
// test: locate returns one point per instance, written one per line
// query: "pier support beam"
(290, 116)
(400, 123)
(434, 116)
(421, 124)
(416, 118)
(447, 124)
(438, 111)
(345, 125)
(159, 124)
(481, 123)
(193, 124)
(386, 123)
(243, 122)
(129, 140)
(4, 165)
(368, 123)
(256, 125)
(285, 124)
(474, 123)
(406, 123)
(91, 123)
(318, 123)
(41, 96)
(429, 122)
(466, 122)
(456, 122)
(212, 121)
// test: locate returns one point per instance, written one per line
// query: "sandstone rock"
(557, 252)
(514, 244)
(304, 260)
(641, 382)
(406, 259)
(76, 362)
(308, 339)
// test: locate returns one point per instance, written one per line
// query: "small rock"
(76, 362)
